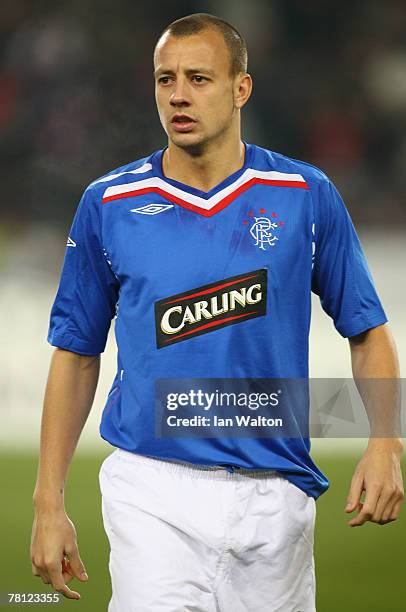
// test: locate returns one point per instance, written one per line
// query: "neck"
(204, 169)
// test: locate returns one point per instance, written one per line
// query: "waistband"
(193, 470)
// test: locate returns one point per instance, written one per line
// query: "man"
(206, 252)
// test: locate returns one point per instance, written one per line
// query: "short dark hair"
(197, 22)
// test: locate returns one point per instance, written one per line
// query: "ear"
(242, 89)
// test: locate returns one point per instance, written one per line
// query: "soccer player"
(206, 253)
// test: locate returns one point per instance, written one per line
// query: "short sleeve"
(341, 276)
(88, 290)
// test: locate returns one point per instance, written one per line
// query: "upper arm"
(88, 290)
(341, 276)
(373, 333)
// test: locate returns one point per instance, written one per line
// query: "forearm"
(69, 395)
(375, 369)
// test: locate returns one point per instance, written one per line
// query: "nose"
(179, 94)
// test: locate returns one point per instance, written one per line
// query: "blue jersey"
(210, 285)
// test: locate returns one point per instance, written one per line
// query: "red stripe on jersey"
(218, 207)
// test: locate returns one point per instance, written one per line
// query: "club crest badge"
(264, 230)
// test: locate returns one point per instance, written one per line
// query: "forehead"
(205, 49)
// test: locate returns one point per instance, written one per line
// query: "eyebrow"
(188, 71)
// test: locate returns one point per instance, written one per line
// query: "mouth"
(182, 123)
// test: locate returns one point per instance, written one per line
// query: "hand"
(379, 474)
(54, 552)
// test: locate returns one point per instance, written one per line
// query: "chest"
(152, 241)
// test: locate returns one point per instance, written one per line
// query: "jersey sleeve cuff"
(362, 323)
(73, 344)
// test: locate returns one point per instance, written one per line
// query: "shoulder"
(273, 160)
(135, 170)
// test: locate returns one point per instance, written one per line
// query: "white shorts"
(190, 539)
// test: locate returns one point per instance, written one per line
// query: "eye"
(164, 80)
(199, 78)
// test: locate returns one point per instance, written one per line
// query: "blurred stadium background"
(77, 100)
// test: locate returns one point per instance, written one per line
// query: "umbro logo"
(70, 242)
(152, 209)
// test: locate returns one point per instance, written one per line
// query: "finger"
(396, 510)
(368, 506)
(360, 519)
(67, 577)
(388, 510)
(66, 568)
(55, 574)
(358, 507)
(364, 515)
(35, 570)
(355, 493)
(67, 572)
(76, 565)
(386, 516)
(38, 573)
(44, 577)
(382, 503)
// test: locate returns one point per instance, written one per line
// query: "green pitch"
(358, 569)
